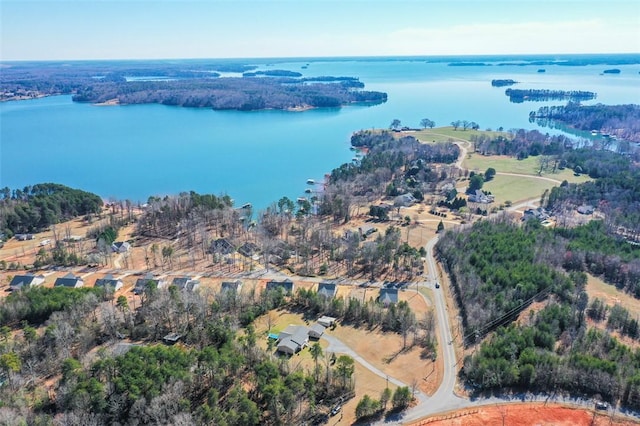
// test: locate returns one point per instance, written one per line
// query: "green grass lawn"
(528, 166)
(515, 188)
(443, 134)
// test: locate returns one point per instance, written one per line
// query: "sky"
(163, 29)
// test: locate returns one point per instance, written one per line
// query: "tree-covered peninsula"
(621, 121)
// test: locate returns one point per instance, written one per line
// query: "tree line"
(36, 207)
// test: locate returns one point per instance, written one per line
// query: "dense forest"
(621, 121)
(36, 207)
(498, 270)
(538, 95)
(230, 93)
(184, 83)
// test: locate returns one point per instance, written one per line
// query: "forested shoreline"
(538, 95)
(197, 85)
(620, 121)
(34, 208)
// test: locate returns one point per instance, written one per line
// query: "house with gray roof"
(248, 249)
(142, 283)
(388, 296)
(186, 283)
(586, 209)
(19, 282)
(109, 281)
(404, 200)
(120, 247)
(326, 321)
(221, 246)
(316, 331)
(234, 286)
(539, 214)
(286, 285)
(480, 197)
(292, 339)
(327, 290)
(70, 281)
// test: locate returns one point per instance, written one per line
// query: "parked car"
(602, 405)
(336, 410)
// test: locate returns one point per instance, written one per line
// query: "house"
(292, 339)
(539, 214)
(404, 200)
(286, 285)
(326, 321)
(120, 247)
(316, 331)
(586, 209)
(19, 282)
(70, 281)
(480, 197)
(221, 246)
(327, 290)
(248, 249)
(142, 283)
(388, 296)
(186, 283)
(109, 281)
(233, 286)
(172, 338)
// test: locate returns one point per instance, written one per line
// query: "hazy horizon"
(437, 58)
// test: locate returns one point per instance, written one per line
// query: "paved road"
(444, 399)
(337, 346)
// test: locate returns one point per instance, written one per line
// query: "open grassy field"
(443, 134)
(610, 295)
(516, 188)
(528, 166)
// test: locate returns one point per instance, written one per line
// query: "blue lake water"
(132, 152)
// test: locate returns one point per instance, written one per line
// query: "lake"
(132, 152)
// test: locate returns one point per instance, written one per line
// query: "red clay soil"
(532, 414)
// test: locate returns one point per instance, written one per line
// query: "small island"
(503, 83)
(538, 95)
